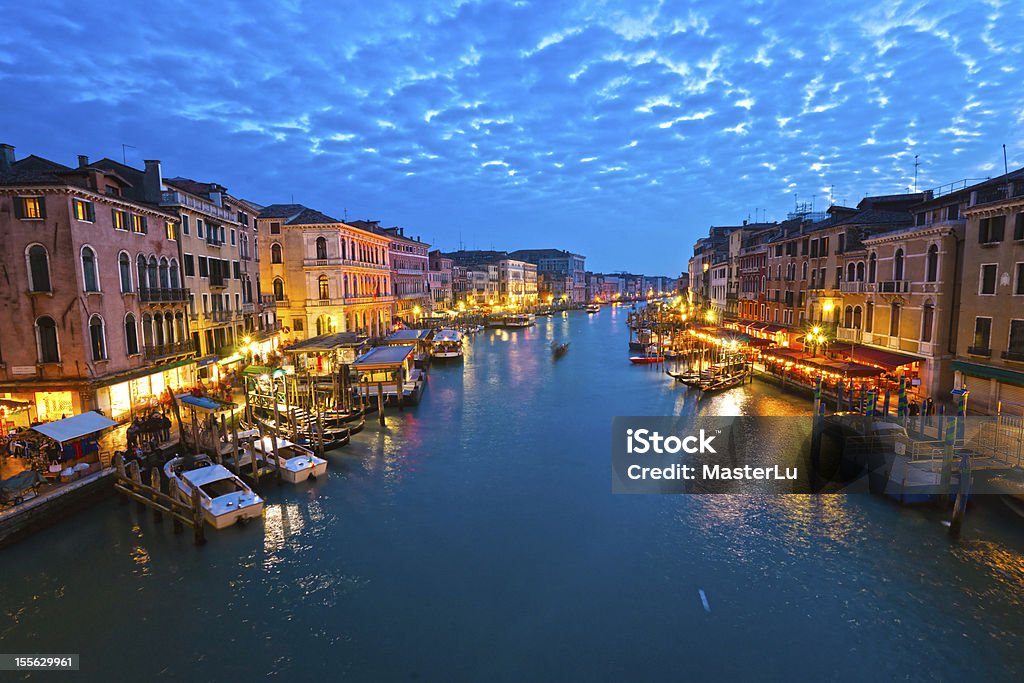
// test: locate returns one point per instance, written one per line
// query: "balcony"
(1013, 355)
(850, 334)
(336, 262)
(220, 316)
(894, 286)
(248, 308)
(409, 271)
(851, 287)
(998, 194)
(218, 282)
(175, 198)
(155, 351)
(979, 351)
(165, 295)
(214, 241)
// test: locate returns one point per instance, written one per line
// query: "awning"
(890, 360)
(757, 327)
(207, 360)
(989, 372)
(383, 356)
(258, 370)
(74, 427)
(206, 403)
(774, 329)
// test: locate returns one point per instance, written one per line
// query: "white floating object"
(704, 600)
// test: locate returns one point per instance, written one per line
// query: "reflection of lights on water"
(280, 522)
(141, 557)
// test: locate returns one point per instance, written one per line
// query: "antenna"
(1006, 169)
(124, 156)
(831, 194)
(916, 164)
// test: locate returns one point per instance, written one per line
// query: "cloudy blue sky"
(618, 130)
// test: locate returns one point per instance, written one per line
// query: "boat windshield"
(221, 487)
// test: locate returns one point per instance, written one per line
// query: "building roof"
(194, 187)
(384, 355)
(297, 214)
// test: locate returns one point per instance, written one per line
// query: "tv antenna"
(124, 155)
(916, 165)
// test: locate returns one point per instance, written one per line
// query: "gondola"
(559, 350)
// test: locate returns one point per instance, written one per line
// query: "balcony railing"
(220, 316)
(894, 286)
(1013, 355)
(329, 262)
(175, 198)
(1000, 193)
(249, 308)
(218, 281)
(979, 351)
(851, 287)
(155, 351)
(849, 334)
(163, 294)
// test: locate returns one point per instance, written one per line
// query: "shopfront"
(140, 395)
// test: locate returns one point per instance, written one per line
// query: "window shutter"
(92, 211)
(19, 207)
(145, 225)
(113, 217)
(42, 207)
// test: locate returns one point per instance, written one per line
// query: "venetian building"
(325, 275)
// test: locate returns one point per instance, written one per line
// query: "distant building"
(439, 278)
(409, 266)
(570, 266)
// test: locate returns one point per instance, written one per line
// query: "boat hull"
(646, 360)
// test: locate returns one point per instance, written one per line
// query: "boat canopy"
(258, 370)
(328, 342)
(74, 427)
(210, 405)
(406, 336)
(448, 336)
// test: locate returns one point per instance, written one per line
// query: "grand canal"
(476, 538)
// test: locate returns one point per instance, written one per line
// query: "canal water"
(476, 538)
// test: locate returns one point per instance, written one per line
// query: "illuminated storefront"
(139, 395)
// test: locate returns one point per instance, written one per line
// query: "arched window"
(158, 329)
(131, 335)
(154, 279)
(169, 327)
(872, 267)
(140, 267)
(848, 317)
(275, 253)
(860, 271)
(124, 267)
(89, 276)
(46, 340)
(927, 322)
(932, 265)
(97, 342)
(147, 330)
(851, 273)
(321, 249)
(165, 273)
(324, 287)
(179, 326)
(278, 289)
(175, 274)
(869, 317)
(343, 243)
(38, 269)
(894, 320)
(856, 317)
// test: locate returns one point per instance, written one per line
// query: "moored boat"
(297, 464)
(225, 498)
(447, 343)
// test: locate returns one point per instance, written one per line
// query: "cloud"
(520, 121)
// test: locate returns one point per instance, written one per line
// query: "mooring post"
(136, 476)
(963, 492)
(198, 524)
(947, 430)
(380, 402)
(154, 482)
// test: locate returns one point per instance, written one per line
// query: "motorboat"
(297, 464)
(225, 499)
(521, 320)
(559, 350)
(592, 308)
(447, 343)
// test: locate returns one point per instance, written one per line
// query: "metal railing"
(154, 351)
(175, 198)
(163, 294)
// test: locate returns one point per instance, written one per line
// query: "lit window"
(139, 224)
(120, 219)
(84, 211)
(29, 208)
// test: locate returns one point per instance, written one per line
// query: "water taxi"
(225, 498)
(297, 464)
(447, 344)
(521, 320)
(592, 308)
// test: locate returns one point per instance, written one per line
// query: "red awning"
(890, 360)
(775, 328)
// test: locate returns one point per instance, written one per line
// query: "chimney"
(152, 181)
(6, 157)
(83, 161)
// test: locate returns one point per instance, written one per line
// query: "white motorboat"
(592, 308)
(447, 344)
(297, 463)
(225, 498)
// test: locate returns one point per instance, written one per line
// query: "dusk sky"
(617, 130)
